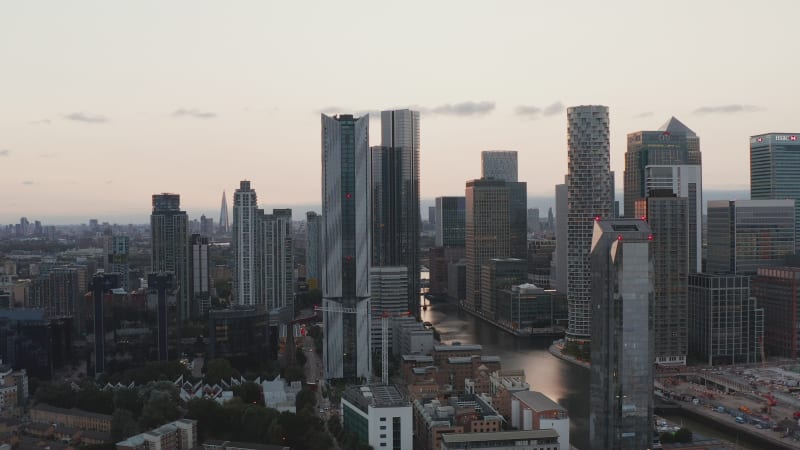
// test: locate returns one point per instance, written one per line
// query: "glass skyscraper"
(346, 241)
(775, 169)
(395, 198)
(621, 414)
(450, 217)
(744, 235)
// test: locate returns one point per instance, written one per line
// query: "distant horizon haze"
(106, 103)
(299, 210)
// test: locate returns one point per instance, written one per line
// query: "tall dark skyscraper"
(671, 145)
(668, 218)
(346, 240)
(395, 198)
(313, 248)
(621, 415)
(170, 246)
(201, 293)
(775, 171)
(450, 217)
(590, 195)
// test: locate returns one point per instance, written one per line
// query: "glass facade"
(727, 326)
(744, 235)
(450, 221)
(621, 415)
(775, 169)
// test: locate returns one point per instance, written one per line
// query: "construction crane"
(385, 342)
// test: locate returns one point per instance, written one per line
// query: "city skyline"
(132, 112)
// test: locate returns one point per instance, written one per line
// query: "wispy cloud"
(193, 113)
(86, 118)
(535, 112)
(463, 109)
(728, 109)
(27, 182)
(5, 152)
(47, 155)
(642, 115)
(41, 122)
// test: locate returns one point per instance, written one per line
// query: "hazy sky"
(103, 103)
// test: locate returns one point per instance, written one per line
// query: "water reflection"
(561, 381)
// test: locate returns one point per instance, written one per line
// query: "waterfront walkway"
(556, 350)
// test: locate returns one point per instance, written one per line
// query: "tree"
(683, 435)
(219, 369)
(250, 393)
(666, 437)
(60, 395)
(161, 405)
(210, 416)
(306, 399)
(300, 357)
(123, 425)
(294, 373)
(129, 399)
(94, 400)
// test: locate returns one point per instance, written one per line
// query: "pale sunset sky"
(104, 103)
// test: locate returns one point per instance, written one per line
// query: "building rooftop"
(418, 358)
(71, 411)
(458, 348)
(499, 436)
(674, 125)
(538, 401)
(376, 396)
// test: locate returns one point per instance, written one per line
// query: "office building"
(450, 221)
(534, 221)
(558, 269)
(726, 323)
(395, 198)
(498, 274)
(621, 413)
(775, 170)
(744, 235)
(238, 331)
(499, 165)
(388, 287)
(487, 232)
(776, 290)
(590, 195)
(439, 260)
(170, 246)
(346, 239)
(313, 248)
(117, 249)
(526, 308)
(502, 440)
(683, 181)
(379, 415)
(671, 145)
(668, 217)
(201, 285)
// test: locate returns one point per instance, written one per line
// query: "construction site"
(761, 400)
